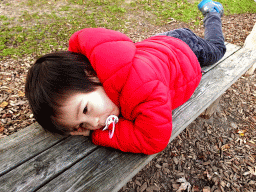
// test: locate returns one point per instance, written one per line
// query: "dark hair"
(51, 79)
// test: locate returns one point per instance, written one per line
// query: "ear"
(95, 79)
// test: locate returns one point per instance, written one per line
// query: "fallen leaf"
(4, 104)
(12, 103)
(252, 158)
(21, 93)
(1, 129)
(251, 171)
(225, 147)
(143, 187)
(246, 173)
(206, 189)
(152, 188)
(241, 132)
(196, 188)
(175, 186)
(138, 183)
(9, 90)
(251, 144)
(185, 185)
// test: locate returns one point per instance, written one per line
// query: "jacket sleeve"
(151, 129)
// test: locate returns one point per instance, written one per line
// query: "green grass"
(238, 6)
(177, 10)
(183, 11)
(37, 33)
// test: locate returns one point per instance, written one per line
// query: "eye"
(82, 126)
(85, 110)
(75, 129)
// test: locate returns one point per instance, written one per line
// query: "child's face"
(86, 111)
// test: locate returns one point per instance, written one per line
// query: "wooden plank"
(42, 168)
(120, 167)
(23, 145)
(102, 170)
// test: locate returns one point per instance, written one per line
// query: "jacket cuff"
(101, 138)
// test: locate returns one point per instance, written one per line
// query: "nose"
(94, 121)
(90, 122)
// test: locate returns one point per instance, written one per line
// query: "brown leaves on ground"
(14, 111)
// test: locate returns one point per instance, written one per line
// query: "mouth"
(100, 127)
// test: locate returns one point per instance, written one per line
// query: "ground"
(216, 154)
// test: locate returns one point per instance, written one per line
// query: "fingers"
(84, 133)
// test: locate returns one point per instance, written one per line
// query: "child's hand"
(84, 132)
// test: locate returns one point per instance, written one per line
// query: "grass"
(37, 32)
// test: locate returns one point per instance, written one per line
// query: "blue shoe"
(207, 6)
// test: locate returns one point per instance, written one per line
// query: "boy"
(122, 93)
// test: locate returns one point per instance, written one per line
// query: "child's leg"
(213, 46)
(210, 49)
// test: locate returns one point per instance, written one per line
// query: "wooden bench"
(32, 160)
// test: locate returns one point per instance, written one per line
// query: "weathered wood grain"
(42, 168)
(23, 145)
(102, 170)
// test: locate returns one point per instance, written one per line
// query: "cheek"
(107, 107)
(104, 104)
(113, 109)
(101, 107)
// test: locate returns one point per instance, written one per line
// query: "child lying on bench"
(121, 93)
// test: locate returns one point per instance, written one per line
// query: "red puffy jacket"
(146, 80)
